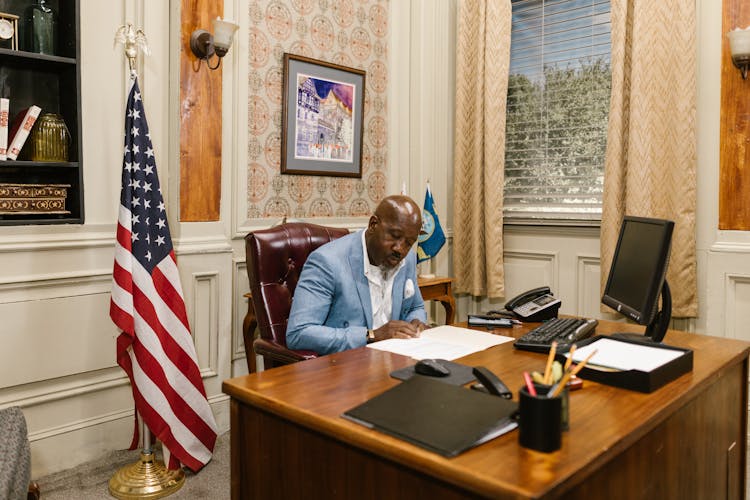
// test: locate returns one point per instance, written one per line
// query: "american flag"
(155, 347)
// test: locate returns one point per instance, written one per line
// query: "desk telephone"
(536, 304)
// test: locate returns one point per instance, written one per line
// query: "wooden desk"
(685, 440)
(438, 288)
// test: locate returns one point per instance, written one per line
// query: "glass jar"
(49, 139)
(40, 26)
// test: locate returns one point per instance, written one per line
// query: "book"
(20, 130)
(4, 109)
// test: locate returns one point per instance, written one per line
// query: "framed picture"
(322, 110)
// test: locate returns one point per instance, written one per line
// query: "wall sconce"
(739, 46)
(204, 45)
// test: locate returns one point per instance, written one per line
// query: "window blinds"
(558, 102)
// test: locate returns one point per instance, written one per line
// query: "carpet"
(90, 481)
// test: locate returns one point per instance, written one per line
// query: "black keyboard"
(565, 331)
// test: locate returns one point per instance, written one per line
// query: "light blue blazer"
(331, 307)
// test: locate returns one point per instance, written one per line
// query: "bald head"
(392, 231)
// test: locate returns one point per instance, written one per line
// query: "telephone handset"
(536, 304)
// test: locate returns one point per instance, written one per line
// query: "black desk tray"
(637, 380)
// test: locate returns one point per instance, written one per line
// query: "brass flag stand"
(147, 478)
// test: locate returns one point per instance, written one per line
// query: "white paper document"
(625, 356)
(442, 342)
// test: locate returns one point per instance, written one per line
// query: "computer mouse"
(432, 368)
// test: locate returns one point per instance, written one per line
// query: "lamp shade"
(739, 42)
(223, 33)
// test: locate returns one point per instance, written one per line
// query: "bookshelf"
(52, 82)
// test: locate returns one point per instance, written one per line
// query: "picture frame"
(322, 118)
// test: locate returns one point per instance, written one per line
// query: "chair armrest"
(276, 352)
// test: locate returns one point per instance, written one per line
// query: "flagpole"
(148, 477)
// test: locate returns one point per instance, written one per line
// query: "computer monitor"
(638, 275)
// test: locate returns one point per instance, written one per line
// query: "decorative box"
(33, 198)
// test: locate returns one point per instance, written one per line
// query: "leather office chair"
(275, 258)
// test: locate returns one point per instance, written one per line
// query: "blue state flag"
(432, 238)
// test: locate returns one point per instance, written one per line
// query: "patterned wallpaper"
(351, 33)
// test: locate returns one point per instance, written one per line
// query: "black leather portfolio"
(442, 418)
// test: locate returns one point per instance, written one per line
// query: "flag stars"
(161, 223)
(160, 240)
(134, 237)
(150, 152)
(134, 131)
(147, 187)
(137, 96)
(161, 204)
(148, 256)
(136, 201)
(148, 170)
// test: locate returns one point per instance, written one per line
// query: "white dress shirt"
(381, 287)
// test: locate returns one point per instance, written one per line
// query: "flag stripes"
(155, 347)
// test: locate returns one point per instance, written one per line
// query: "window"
(558, 102)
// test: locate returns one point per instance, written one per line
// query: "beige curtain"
(482, 61)
(650, 167)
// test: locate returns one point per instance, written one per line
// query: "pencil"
(557, 389)
(570, 357)
(580, 365)
(550, 359)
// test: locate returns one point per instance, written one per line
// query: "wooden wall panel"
(734, 162)
(200, 120)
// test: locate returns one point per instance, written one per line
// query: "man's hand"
(397, 329)
(419, 325)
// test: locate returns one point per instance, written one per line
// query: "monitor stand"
(657, 329)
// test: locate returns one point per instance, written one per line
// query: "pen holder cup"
(540, 422)
(565, 395)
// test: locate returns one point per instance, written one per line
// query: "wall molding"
(49, 391)
(85, 423)
(732, 282)
(205, 285)
(240, 308)
(29, 242)
(552, 258)
(730, 247)
(583, 264)
(50, 286)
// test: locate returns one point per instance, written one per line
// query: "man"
(362, 287)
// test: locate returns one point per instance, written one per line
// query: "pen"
(550, 358)
(570, 357)
(529, 384)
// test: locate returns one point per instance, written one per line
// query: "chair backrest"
(275, 258)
